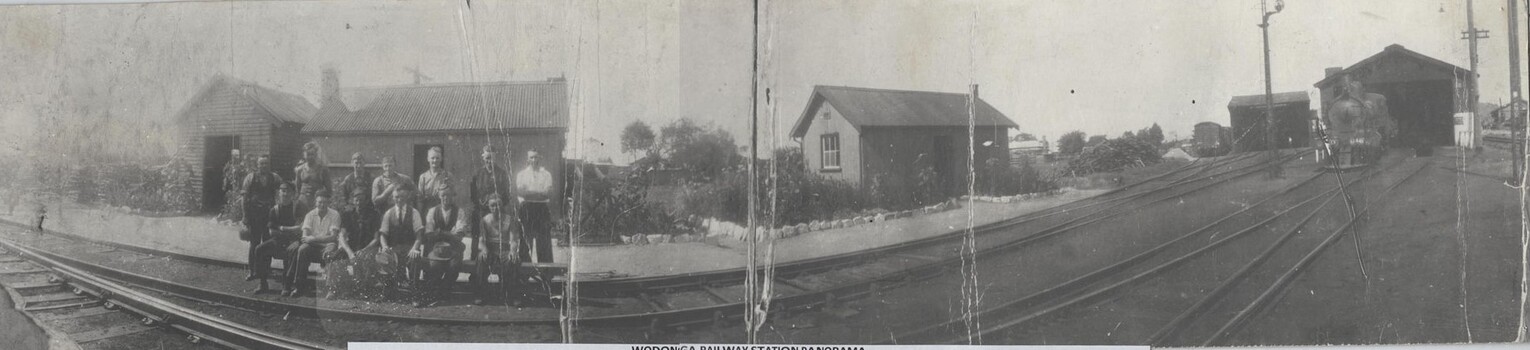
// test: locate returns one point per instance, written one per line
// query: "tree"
(637, 137)
(1152, 135)
(702, 153)
(1025, 137)
(1128, 134)
(1071, 143)
(788, 158)
(1095, 140)
(1114, 155)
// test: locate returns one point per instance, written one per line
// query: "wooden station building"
(860, 134)
(229, 114)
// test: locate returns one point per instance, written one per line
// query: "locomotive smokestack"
(1330, 71)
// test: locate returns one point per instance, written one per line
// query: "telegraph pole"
(1471, 35)
(1514, 91)
(1269, 94)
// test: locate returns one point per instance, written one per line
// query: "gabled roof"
(452, 107)
(1391, 50)
(280, 107)
(897, 108)
(1258, 100)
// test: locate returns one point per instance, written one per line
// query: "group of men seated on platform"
(379, 241)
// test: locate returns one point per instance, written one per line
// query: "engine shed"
(1423, 93)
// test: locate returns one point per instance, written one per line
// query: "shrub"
(161, 189)
(1021, 178)
(613, 205)
(1114, 155)
(799, 197)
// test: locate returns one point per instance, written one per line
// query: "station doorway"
(215, 155)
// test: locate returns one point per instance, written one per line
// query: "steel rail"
(665, 317)
(621, 286)
(200, 325)
(1174, 326)
(713, 313)
(638, 284)
(1076, 285)
(1071, 286)
(1099, 293)
(1260, 303)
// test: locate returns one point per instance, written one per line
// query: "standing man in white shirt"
(534, 186)
(321, 232)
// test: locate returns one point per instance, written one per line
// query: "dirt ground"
(1442, 255)
(1443, 262)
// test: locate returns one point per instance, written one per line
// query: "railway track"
(699, 280)
(97, 313)
(693, 300)
(1162, 277)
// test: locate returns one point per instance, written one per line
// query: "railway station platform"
(203, 238)
(211, 256)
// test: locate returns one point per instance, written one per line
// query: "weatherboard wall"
(222, 111)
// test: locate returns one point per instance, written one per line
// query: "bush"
(1022, 178)
(799, 197)
(1114, 155)
(158, 189)
(610, 206)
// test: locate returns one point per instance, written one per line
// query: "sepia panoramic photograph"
(1180, 173)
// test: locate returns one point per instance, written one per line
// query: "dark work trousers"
(269, 249)
(508, 269)
(536, 219)
(255, 222)
(303, 254)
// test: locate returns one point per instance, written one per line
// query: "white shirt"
(534, 184)
(315, 226)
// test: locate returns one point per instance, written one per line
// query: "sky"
(117, 73)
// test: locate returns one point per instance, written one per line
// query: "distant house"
(1292, 114)
(228, 114)
(1501, 118)
(405, 121)
(1029, 147)
(861, 135)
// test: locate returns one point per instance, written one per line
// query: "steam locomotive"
(1356, 127)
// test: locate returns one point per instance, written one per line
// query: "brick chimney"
(329, 86)
(974, 88)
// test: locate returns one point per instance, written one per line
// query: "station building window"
(830, 159)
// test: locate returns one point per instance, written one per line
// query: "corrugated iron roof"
(280, 106)
(881, 107)
(1258, 100)
(284, 106)
(1393, 49)
(453, 107)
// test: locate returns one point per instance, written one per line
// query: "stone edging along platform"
(724, 229)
